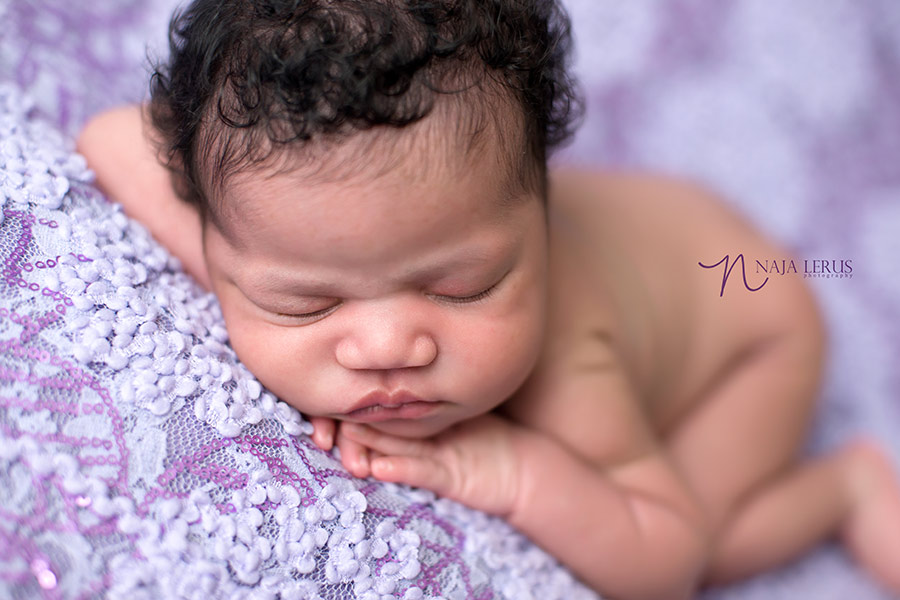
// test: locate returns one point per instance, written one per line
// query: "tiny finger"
(383, 442)
(354, 456)
(323, 432)
(417, 472)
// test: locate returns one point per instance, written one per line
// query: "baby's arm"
(128, 172)
(631, 532)
(628, 526)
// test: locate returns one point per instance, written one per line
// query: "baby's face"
(409, 301)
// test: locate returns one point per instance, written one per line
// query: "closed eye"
(482, 295)
(468, 299)
(316, 314)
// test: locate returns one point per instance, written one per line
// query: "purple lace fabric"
(138, 458)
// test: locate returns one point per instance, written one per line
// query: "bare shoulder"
(119, 150)
(670, 227)
(650, 202)
(671, 325)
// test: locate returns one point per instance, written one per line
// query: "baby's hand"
(474, 462)
(323, 432)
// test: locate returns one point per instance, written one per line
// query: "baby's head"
(372, 181)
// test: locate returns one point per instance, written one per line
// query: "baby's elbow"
(683, 574)
(676, 576)
(88, 140)
(94, 143)
(697, 556)
(112, 142)
(677, 549)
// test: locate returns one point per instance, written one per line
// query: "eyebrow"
(283, 284)
(441, 269)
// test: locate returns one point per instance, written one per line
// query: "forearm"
(624, 543)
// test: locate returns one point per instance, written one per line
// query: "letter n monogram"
(727, 273)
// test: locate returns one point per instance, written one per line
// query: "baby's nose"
(387, 344)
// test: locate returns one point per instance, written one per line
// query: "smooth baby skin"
(646, 429)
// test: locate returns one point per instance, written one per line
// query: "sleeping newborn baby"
(364, 187)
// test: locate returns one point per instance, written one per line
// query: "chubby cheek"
(519, 341)
(499, 353)
(272, 357)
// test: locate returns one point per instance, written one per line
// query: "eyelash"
(482, 295)
(470, 299)
(316, 314)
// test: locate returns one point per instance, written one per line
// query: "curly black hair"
(246, 78)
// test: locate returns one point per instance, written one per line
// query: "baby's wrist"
(537, 454)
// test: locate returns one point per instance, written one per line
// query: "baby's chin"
(413, 428)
